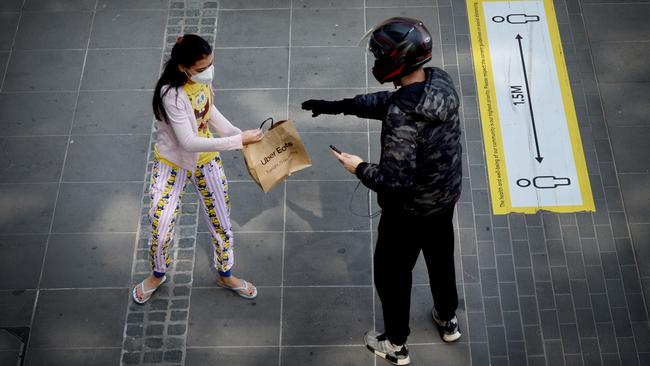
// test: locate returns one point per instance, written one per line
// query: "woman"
(186, 150)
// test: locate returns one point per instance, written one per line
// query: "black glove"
(318, 107)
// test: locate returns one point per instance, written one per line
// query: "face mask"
(205, 76)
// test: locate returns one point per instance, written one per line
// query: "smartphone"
(335, 149)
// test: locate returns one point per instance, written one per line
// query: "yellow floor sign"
(532, 143)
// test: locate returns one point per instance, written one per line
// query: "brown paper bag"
(279, 154)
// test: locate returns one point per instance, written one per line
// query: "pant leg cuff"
(227, 273)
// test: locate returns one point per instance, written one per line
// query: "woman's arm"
(221, 124)
(182, 125)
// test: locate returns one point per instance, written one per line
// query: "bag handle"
(266, 120)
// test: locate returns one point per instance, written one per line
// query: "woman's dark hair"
(188, 49)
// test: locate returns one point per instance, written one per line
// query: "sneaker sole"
(451, 338)
(404, 361)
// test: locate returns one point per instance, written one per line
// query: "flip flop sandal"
(145, 292)
(241, 291)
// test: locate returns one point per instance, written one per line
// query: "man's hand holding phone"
(350, 162)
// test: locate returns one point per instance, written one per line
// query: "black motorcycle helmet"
(400, 45)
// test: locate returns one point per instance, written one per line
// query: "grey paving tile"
(253, 28)
(50, 114)
(560, 277)
(337, 316)
(484, 228)
(113, 113)
(489, 282)
(316, 206)
(330, 123)
(486, 257)
(115, 69)
(622, 325)
(78, 203)
(399, 3)
(610, 265)
(606, 338)
(9, 343)
(256, 259)
(517, 352)
(590, 252)
(313, 259)
(430, 354)
(627, 351)
(590, 352)
(473, 297)
(576, 268)
(238, 322)
(237, 107)
(637, 308)
(251, 68)
(595, 279)
(467, 238)
(565, 310)
(53, 30)
(545, 297)
(616, 293)
(4, 61)
(253, 4)
(480, 353)
(571, 238)
(505, 268)
(470, 269)
(625, 251)
(525, 281)
(44, 70)
(512, 322)
(493, 314)
(126, 4)
(630, 279)
(624, 23)
(23, 160)
(613, 199)
(326, 4)
(332, 67)
(17, 307)
(61, 357)
(619, 224)
(20, 264)
(8, 26)
(128, 29)
(476, 327)
(27, 208)
(79, 318)
(327, 356)
(528, 306)
(534, 342)
(585, 225)
(231, 356)
(636, 195)
(502, 243)
(326, 27)
(106, 158)
(556, 255)
(624, 103)
(88, 260)
(620, 62)
(324, 165)
(58, 5)
(541, 269)
(497, 341)
(641, 333)
(266, 215)
(549, 324)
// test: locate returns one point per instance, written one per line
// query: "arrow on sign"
(539, 158)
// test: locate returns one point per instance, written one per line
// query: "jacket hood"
(439, 98)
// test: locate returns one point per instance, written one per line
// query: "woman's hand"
(251, 136)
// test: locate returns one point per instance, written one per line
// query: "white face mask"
(205, 76)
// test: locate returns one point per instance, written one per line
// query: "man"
(417, 180)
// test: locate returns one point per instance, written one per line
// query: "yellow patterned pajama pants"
(166, 190)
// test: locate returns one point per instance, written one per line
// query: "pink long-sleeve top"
(178, 140)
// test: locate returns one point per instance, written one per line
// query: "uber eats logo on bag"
(278, 150)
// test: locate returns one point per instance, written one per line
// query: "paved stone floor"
(75, 138)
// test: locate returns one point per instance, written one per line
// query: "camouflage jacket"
(419, 172)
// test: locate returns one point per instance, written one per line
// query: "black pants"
(401, 238)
